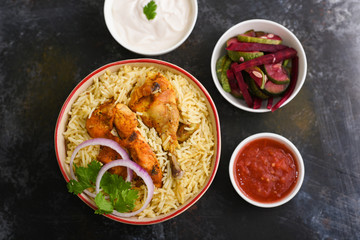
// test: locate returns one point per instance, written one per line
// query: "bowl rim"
(291, 147)
(219, 45)
(211, 103)
(112, 30)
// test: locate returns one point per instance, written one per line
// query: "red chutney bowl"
(266, 170)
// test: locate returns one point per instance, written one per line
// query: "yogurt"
(172, 24)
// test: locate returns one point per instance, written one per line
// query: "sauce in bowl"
(172, 24)
(265, 170)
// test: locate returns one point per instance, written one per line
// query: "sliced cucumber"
(287, 66)
(223, 78)
(237, 56)
(277, 73)
(275, 89)
(220, 64)
(286, 62)
(255, 90)
(262, 39)
(258, 75)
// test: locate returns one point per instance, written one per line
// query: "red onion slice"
(139, 171)
(104, 142)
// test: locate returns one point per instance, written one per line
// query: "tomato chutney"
(265, 170)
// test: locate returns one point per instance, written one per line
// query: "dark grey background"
(47, 47)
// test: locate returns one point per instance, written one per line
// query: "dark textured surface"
(47, 47)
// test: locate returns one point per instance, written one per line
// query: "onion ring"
(104, 142)
(139, 171)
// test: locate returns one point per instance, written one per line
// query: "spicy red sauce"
(265, 170)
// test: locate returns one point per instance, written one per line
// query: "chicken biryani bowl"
(150, 129)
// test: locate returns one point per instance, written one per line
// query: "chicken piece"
(186, 130)
(126, 126)
(141, 97)
(163, 115)
(125, 121)
(142, 154)
(107, 155)
(156, 100)
(101, 123)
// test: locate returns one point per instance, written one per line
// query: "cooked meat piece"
(101, 121)
(125, 124)
(107, 155)
(156, 100)
(100, 124)
(185, 131)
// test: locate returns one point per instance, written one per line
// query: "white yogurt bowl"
(172, 25)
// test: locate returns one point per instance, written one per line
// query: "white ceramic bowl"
(289, 39)
(286, 143)
(117, 35)
(62, 121)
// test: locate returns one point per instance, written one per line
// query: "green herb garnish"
(86, 178)
(121, 197)
(150, 10)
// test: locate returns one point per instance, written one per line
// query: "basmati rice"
(194, 155)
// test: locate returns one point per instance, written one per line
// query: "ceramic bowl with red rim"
(272, 28)
(61, 125)
(266, 170)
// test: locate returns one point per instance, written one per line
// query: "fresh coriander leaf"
(121, 196)
(126, 202)
(77, 187)
(120, 192)
(86, 178)
(108, 182)
(150, 10)
(114, 184)
(89, 173)
(104, 206)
